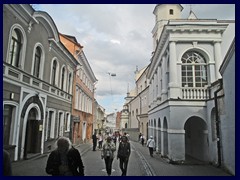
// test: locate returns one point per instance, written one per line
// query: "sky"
(117, 38)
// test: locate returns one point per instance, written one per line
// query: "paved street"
(140, 164)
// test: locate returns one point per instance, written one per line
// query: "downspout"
(219, 150)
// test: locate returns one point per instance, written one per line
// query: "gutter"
(219, 150)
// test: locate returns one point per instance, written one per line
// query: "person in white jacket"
(151, 145)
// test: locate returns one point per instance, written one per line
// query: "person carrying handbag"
(151, 145)
(108, 154)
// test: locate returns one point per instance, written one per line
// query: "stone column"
(176, 144)
(164, 79)
(173, 73)
(159, 85)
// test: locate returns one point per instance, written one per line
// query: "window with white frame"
(67, 122)
(37, 62)
(15, 48)
(54, 73)
(194, 70)
(69, 82)
(51, 125)
(63, 78)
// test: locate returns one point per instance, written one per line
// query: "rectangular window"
(171, 11)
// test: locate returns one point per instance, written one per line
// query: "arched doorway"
(33, 134)
(196, 145)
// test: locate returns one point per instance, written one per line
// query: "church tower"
(163, 13)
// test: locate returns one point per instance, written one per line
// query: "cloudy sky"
(117, 38)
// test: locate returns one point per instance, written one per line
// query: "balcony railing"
(195, 93)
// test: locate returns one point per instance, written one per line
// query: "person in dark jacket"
(124, 151)
(94, 138)
(65, 160)
(7, 167)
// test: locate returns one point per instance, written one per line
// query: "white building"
(111, 122)
(227, 111)
(183, 75)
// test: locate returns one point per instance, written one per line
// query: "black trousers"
(123, 165)
(94, 146)
(151, 151)
(108, 164)
(100, 144)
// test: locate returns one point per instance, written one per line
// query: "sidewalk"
(161, 166)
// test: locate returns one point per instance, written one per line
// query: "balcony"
(201, 93)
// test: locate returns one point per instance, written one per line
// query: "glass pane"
(190, 73)
(198, 84)
(190, 84)
(197, 73)
(190, 79)
(198, 79)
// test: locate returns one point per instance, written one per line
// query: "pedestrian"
(151, 145)
(124, 151)
(65, 160)
(139, 137)
(7, 166)
(100, 140)
(94, 139)
(108, 154)
(142, 140)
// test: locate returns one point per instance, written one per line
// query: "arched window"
(194, 70)
(63, 77)
(54, 71)
(37, 61)
(69, 83)
(15, 48)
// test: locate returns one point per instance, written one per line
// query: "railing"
(195, 93)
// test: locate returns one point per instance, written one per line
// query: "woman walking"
(108, 154)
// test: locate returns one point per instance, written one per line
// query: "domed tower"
(163, 13)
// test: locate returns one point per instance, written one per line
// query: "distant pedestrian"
(142, 139)
(100, 140)
(151, 145)
(124, 151)
(65, 160)
(139, 137)
(7, 166)
(94, 139)
(108, 154)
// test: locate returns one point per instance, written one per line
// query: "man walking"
(124, 151)
(151, 145)
(94, 138)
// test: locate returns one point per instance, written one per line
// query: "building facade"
(99, 118)
(138, 104)
(37, 82)
(183, 74)
(83, 93)
(226, 111)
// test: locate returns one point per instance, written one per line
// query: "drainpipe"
(219, 150)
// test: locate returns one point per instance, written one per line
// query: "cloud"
(117, 38)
